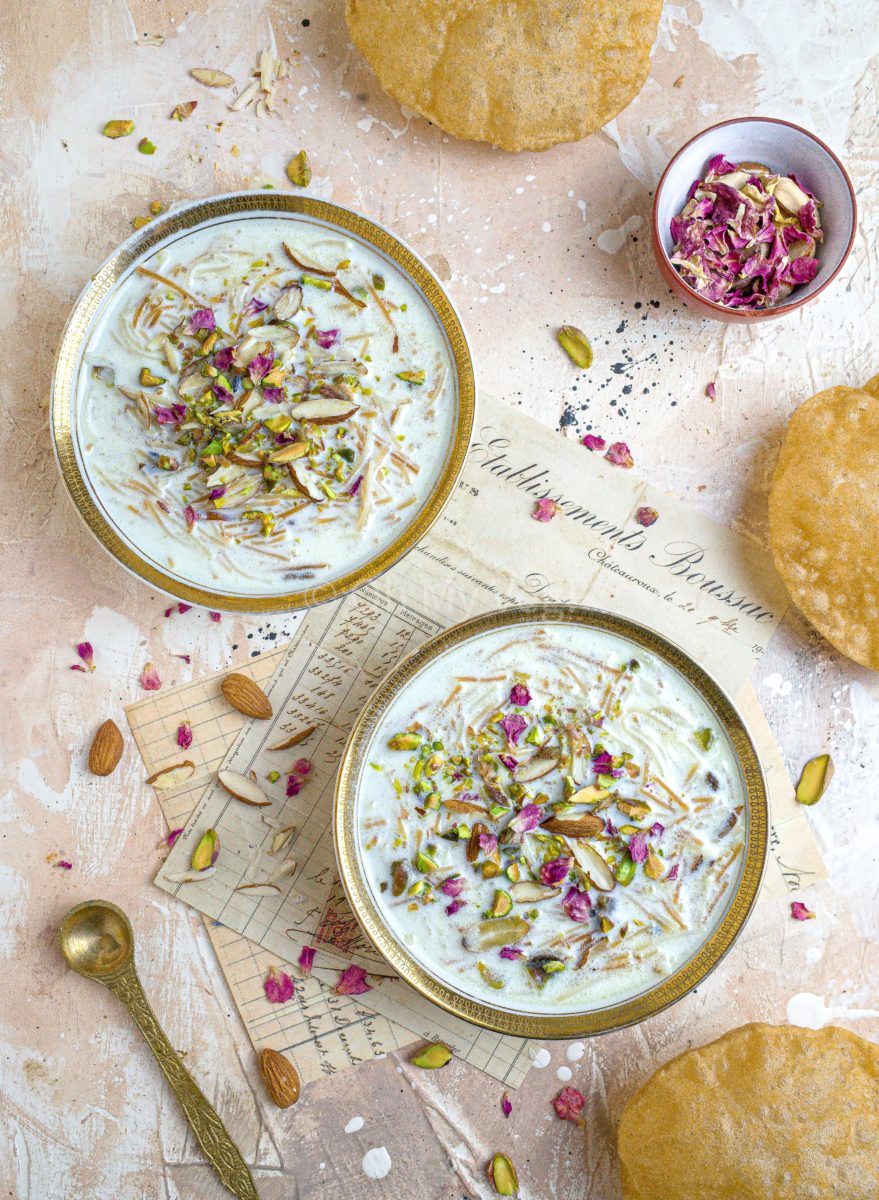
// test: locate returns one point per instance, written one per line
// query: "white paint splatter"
(354, 1124)
(546, 227)
(564, 1074)
(812, 1012)
(575, 1051)
(376, 1163)
(542, 1057)
(613, 240)
(777, 685)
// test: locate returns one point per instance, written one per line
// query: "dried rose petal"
(87, 654)
(512, 953)
(180, 608)
(638, 847)
(546, 509)
(506, 1106)
(254, 307)
(63, 864)
(513, 725)
(202, 318)
(184, 734)
(529, 818)
(556, 870)
(327, 338)
(224, 359)
(453, 886)
(278, 986)
(673, 873)
(260, 366)
(620, 455)
(294, 785)
(173, 836)
(187, 658)
(488, 844)
(190, 516)
(610, 829)
(602, 764)
(520, 695)
(215, 616)
(711, 391)
(577, 905)
(352, 982)
(647, 516)
(509, 762)
(657, 829)
(306, 959)
(355, 486)
(302, 766)
(149, 678)
(569, 1105)
(592, 441)
(799, 912)
(454, 907)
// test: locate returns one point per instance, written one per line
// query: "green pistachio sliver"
(118, 129)
(814, 779)
(576, 345)
(503, 1176)
(315, 281)
(404, 741)
(205, 853)
(145, 146)
(432, 1057)
(424, 862)
(299, 170)
(413, 378)
(625, 871)
(704, 737)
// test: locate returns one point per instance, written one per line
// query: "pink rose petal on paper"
(529, 818)
(63, 864)
(799, 912)
(638, 847)
(352, 982)
(184, 735)
(173, 836)
(592, 441)
(202, 318)
(619, 454)
(577, 905)
(306, 959)
(452, 886)
(294, 785)
(545, 510)
(711, 391)
(647, 516)
(506, 1106)
(187, 658)
(513, 725)
(278, 986)
(87, 654)
(180, 608)
(519, 695)
(302, 766)
(569, 1105)
(555, 871)
(215, 616)
(149, 678)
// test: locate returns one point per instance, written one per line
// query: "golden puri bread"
(522, 74)
(766, 1112)
(823, 514)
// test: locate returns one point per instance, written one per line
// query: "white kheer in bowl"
(262, 402)
(551, 821)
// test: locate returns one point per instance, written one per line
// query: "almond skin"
(575, 827)
(279, 1076)
(246, 696)
(106, 749)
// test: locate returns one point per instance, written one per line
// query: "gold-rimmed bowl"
(99, 293)
(364, 898)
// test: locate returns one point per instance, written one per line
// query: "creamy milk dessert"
(551, 819)
(265, 404)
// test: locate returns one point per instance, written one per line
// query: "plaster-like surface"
(524, 244)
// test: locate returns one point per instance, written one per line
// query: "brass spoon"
(97, 940)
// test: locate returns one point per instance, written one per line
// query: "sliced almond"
(246, 696)
(501, 931)
(170, 777)
(529, 891)
(295, 739)
(463, 806)
(289, 453)
(538, 766)
(190, 876)
(589, 795)
(259, 889)
(288, 303)
(243, 789)
(284, 869)
(280, 840)
(211, 78)
(301, 486)
(590, 861)
(323, 410)
(309, 268)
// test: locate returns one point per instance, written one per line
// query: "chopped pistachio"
(299, 170)
(704, 737)
(148, 379)
(503, 1176)
(316, 281)
(814, 779)
(205, 853)
(145, 146)
(182, 111)
(654, 868)
(404, 741)
(273, 776)
(413, 378)
(424, 862)
(118, 129)
(156, 207)
(139, 222)
(490, 870)
(576, 345)
(502, 904)
(489, 976)
(432, 1057)
(625, 871)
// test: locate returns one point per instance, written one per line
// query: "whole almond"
(279, 1076)
(106, 749)
(575, 827)
(245, 695)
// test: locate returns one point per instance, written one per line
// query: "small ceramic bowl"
(784, 148)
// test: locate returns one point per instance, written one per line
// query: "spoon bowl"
(97, 939)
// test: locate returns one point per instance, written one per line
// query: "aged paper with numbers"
(700, 584)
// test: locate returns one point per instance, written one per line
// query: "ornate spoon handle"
(206, 1125)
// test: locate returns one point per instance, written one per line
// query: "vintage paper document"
(698, 583)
